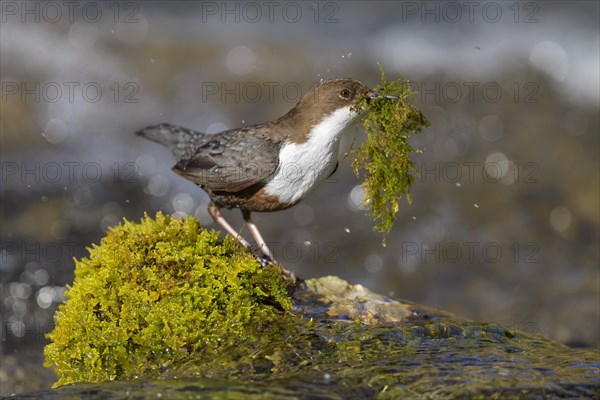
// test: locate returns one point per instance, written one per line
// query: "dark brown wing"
(231, 161)
(228, 161)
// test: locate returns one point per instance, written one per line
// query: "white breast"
(303, 166)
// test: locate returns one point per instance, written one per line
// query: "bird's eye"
(345, 93)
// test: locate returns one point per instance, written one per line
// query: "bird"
(270, 166)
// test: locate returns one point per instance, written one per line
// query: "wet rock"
(353, 343)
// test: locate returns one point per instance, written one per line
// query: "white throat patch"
(303, 166)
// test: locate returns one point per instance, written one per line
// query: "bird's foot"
(265, 260)
(289, 275)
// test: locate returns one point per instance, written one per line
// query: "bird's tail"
(183, 142)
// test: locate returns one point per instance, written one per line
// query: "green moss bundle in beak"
(384, 158)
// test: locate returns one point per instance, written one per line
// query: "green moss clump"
(155, 292)
(384, 158)
(346, 342)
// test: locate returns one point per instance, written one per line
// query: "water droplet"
(55, 131)
(303, 214)
(560, 218)
(44, 297)
(157, 186)
(146, 164)
(496, 165)
(373, 263)
(550, 57)
(183, 203)
(241, 60)
(356, 199)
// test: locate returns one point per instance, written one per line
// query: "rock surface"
(354, 343)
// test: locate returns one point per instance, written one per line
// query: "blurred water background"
(504, 223)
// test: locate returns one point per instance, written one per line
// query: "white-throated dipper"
(270, 166)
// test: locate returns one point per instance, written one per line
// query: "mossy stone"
(347, 342)
(156, 291)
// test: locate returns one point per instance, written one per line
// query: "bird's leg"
(214, 212)
(268, 256)
(262, 245)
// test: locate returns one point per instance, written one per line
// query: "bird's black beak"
(374, 95)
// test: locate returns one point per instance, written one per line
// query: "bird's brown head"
(334, 94)
(321, 102)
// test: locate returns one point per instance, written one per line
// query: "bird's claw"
(289, 275)
(265, 260)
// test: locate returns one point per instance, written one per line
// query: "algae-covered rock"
(234, 335)
(155, 292)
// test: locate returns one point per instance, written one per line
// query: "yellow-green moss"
(152, 293)
(384, 158)
(343, 341)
